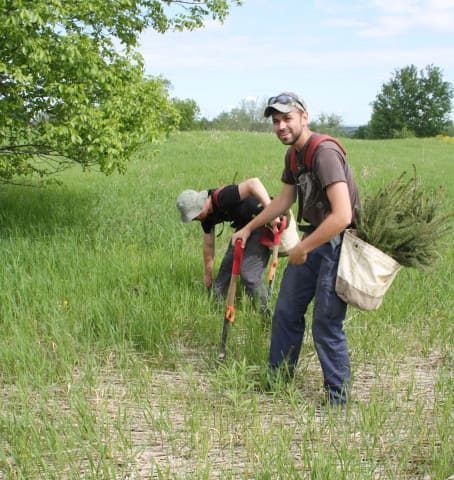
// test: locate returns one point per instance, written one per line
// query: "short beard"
(292, 139)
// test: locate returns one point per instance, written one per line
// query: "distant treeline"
(411, 104)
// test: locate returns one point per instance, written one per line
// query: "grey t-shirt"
(329, 165)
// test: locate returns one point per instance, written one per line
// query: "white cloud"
(404, 7)
(221, 54)
(443, 3)
(400, 17)
(438, 20)
(390, 18)
(207, 51)
(251, 98)
(336, 54)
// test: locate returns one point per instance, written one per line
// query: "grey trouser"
(253, 266)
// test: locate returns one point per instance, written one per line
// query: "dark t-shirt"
(329, 165)
(228, 207)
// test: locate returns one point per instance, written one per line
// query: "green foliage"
(328, 124)
(363, 132)
(188, 111)
(248, 116)
(449, 129)
(404, 132)
(412, 102)
(72, 87)
(405, 222)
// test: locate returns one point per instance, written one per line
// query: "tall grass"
(109, 341)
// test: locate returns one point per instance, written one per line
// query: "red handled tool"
(277, 231)
(230, 309)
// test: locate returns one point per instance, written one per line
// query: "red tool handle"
(278, 229)
(237, 257)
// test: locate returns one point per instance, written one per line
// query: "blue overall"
(315, 279)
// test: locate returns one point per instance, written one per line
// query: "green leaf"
(67, 91)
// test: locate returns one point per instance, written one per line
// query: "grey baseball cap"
(285, 102)
(190, 203)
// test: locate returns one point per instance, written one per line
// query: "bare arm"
(339, 218)
(276, 207)
(208, 257)
(253, 186)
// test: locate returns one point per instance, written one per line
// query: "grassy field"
(108, 339)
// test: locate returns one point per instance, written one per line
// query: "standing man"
(236, 204)
(328, 201)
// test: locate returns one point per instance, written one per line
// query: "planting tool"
(230, 311)
(277, 231)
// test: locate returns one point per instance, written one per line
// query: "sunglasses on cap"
(285, 100)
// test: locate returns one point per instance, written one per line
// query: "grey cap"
(285, 102)
(190, 203)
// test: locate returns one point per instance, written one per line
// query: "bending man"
(236, 204)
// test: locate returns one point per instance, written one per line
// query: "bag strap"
(314, 142)
(215, 194)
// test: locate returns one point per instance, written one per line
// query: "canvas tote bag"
(365, 273)
(290, 236)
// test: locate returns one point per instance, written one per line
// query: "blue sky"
(336, 55)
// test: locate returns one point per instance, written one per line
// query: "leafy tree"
(412, 104)
(188, 111)
(72, 85)
(450, 129)
(248, 116)
(363, 132)
(328, 124)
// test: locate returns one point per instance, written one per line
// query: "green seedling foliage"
(405, 221)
